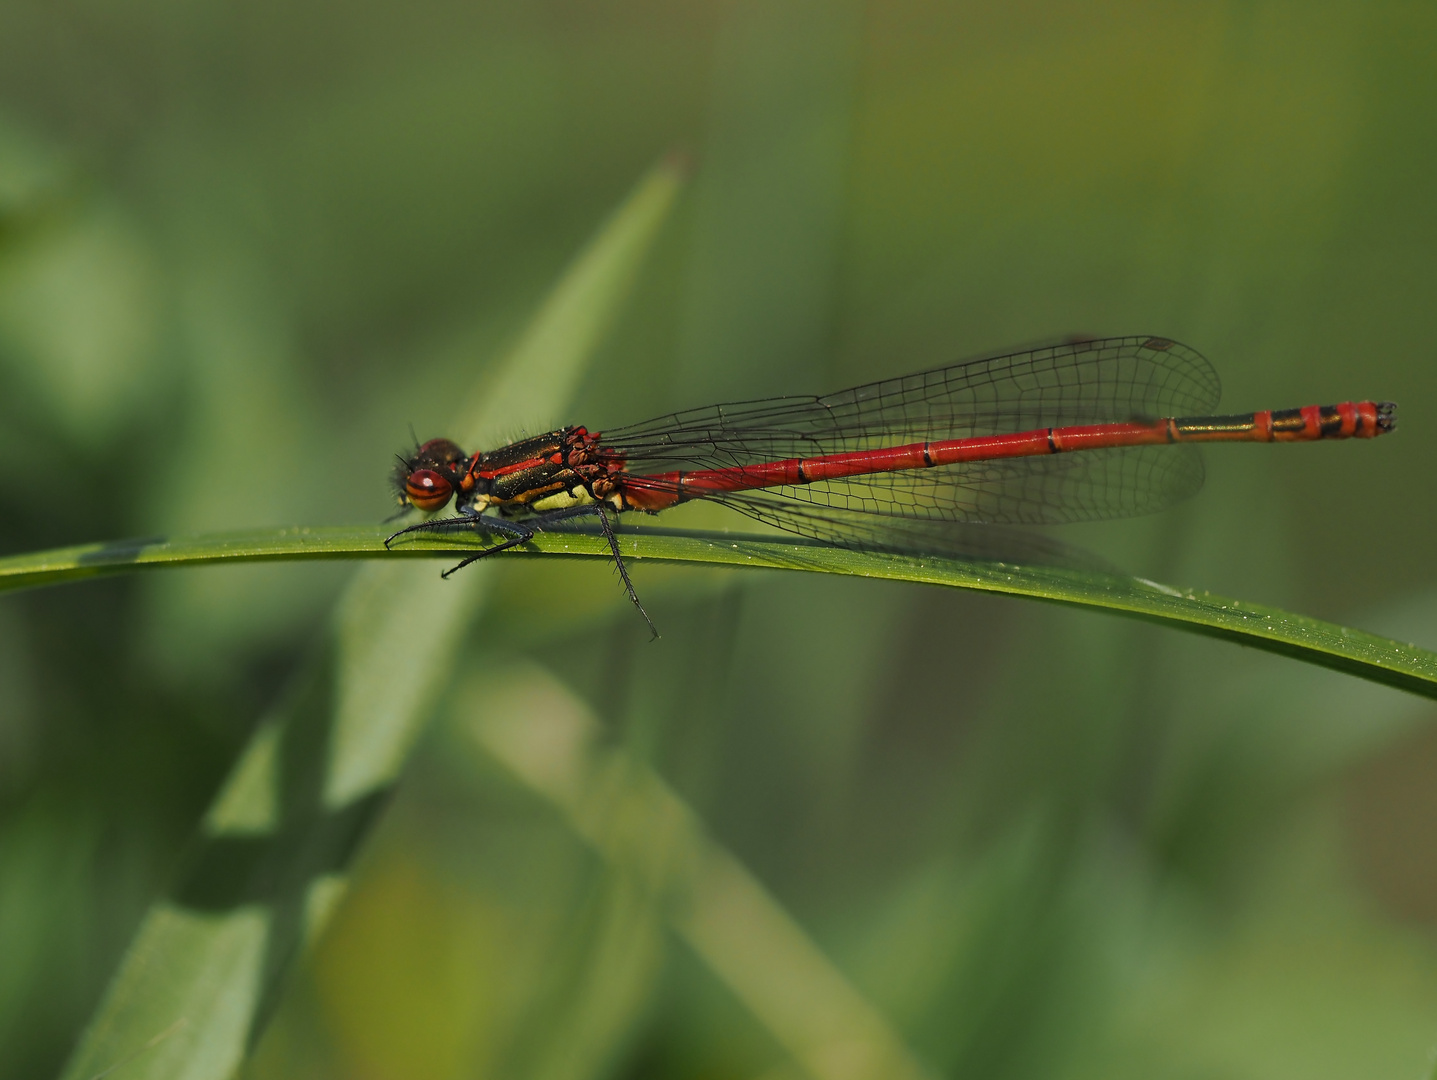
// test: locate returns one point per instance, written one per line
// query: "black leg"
(464, 520)
(601, 512)
(623, 570)
(518, 538)
(522, 532)
(470, 521)
(467, 519)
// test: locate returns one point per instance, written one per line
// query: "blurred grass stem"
(643, 829)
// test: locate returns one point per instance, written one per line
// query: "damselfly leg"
(521, 532)
(608, 530)
(517, 533)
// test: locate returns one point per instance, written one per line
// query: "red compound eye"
(427, 490)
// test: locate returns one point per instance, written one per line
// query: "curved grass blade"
(1368, 656)
(272, 856)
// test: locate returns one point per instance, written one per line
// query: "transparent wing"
(912, 536)
(1050, 490)
(1105, 381)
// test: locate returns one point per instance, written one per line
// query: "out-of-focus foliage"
(272, 859)
(242, 247)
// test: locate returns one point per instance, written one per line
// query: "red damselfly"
(934, 463)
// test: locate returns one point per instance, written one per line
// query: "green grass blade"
(1367, 656)
(273, 853)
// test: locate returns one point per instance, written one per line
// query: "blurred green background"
(242, 247)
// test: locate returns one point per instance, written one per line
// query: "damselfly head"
(429, 478)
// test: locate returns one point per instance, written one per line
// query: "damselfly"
(934, 463)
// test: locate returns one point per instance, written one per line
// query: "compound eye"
(427, 490)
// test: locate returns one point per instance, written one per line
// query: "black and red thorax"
(564, 466)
